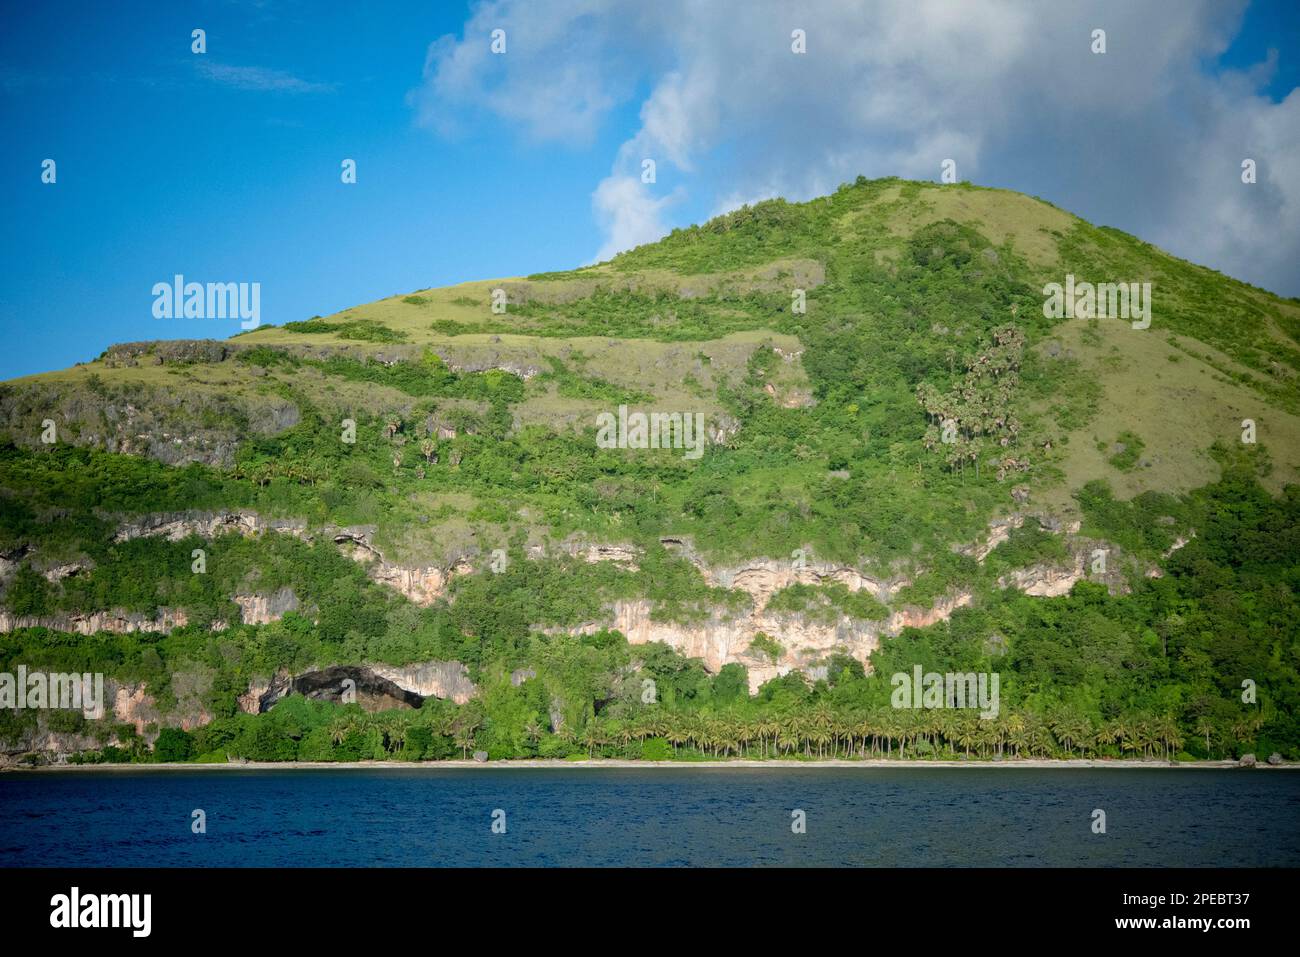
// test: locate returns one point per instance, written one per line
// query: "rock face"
(175, 351)
(999, 531)
(806, 642)
(722, 640)
(422, 585)
(177, 525)
(261, 609)
(1246, 761)
(133, 704)
(1044, 580)
(375, 687)
(1275, 759)
(254, 610)
(436, 679)
(373, 692)
(90, 623)
(123, 703)
(762, 578)
(174, 426)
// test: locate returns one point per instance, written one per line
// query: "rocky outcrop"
(93, 622)
(264, 692)
(56, 573)
(999, 531)
(1045, 580)
(167, 352)
(175, 426)
(376, 687)
(1179, 542)
(421, 584)
(618, 554)
(261, 609)
(132, 704)
(437, 679)
(254, 610)
(175, 526)
(123, 703)
(724, 638)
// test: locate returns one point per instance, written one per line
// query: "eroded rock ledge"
(720, 639)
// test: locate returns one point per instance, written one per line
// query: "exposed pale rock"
(723, 639)
(117, 621)
(1045, 580)
(175, 526)
(999, 531)
(437, 679)
(132, 704)
(261, 609)
(57, 573)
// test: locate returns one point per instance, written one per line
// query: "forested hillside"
(907, 462)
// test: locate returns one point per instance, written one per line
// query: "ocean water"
(859, 817)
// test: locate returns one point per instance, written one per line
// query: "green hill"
(919, 467)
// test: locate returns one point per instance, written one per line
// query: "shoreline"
(624, 763)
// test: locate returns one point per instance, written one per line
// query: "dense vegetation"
(1156, 672)
(931, 398)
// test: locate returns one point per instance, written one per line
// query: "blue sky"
(225, 166)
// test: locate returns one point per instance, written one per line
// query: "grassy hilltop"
(475, 431)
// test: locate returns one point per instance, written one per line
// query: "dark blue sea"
(857, 817)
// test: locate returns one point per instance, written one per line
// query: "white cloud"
(257, 78)
(1142, 137)
(560, 74)
(629, 214)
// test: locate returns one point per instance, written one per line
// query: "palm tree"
(1204, 726)
(592, 737)
(342, 727)
(464, 740)
(1038, 739)
(1105, 734)
(868, 730)
(466, 723)
(821, 734)
(395, 729)
(1173, 736)
(788, 736)
(967, 734)
(676, 734)
(1015, 732)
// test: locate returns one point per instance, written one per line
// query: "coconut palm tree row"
(822, 731)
